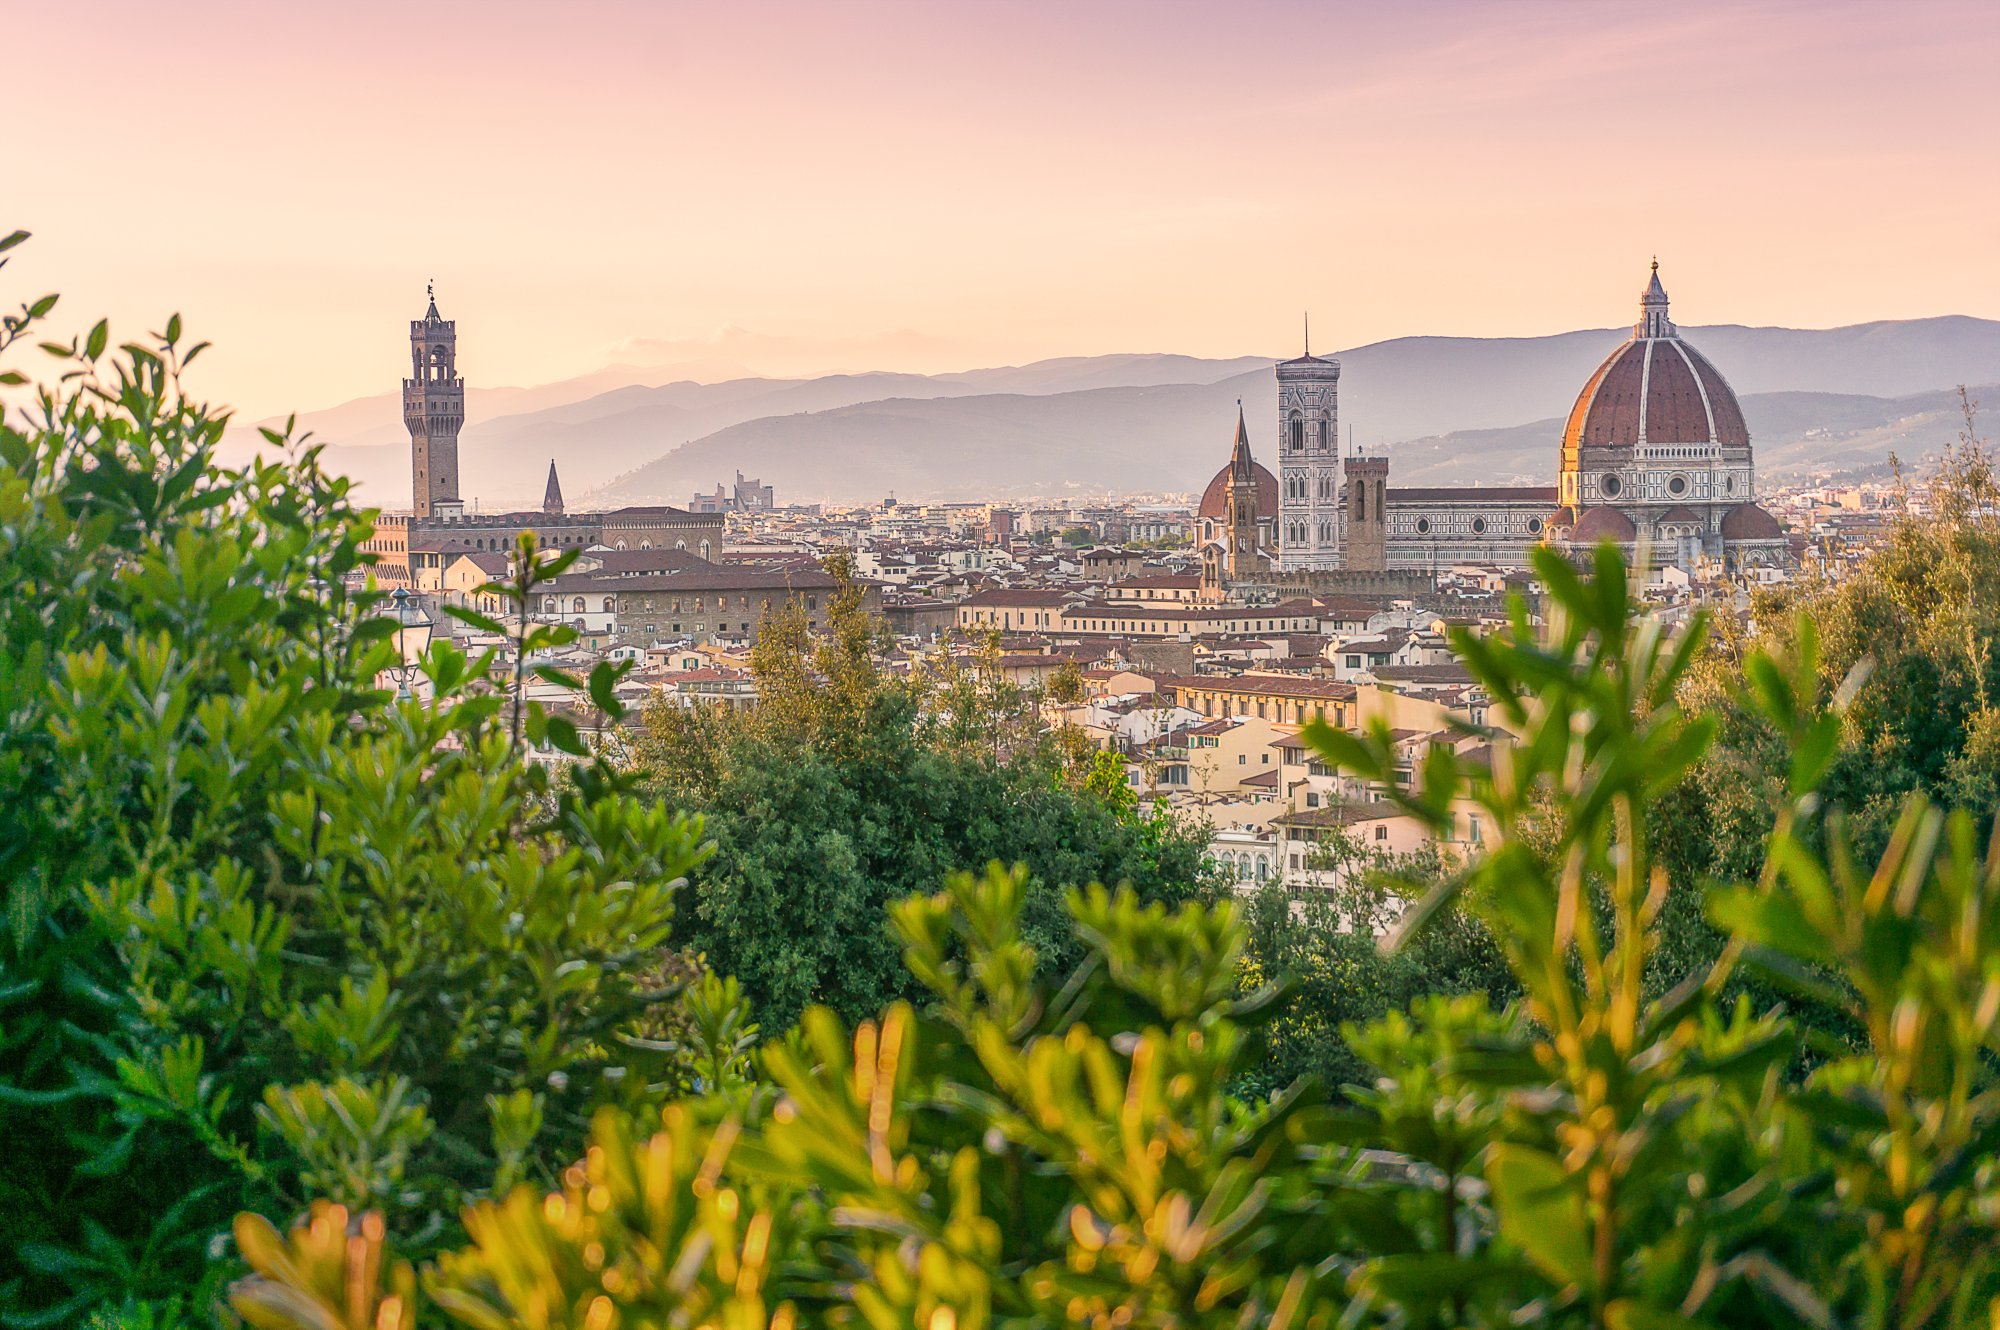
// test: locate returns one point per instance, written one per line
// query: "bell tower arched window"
(1298, 431)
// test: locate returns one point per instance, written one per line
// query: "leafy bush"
(1022, 1152)
(845, 790)
(271, 933)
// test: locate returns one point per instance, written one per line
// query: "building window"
(1381, 833)
(1298, 432)
(1479, 525)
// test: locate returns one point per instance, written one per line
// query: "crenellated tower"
(1367, 546)
(1309, 526)
(433, 410)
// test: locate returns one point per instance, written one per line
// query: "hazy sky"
(801, 187)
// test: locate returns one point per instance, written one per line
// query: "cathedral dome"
(1655, 389)
(1215, 499)
(1598, 524)
(1746, 521)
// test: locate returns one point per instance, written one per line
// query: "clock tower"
(433, 410)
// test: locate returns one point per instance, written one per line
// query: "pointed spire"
(430, 294)
(1653, 320)
(552, 500)
(1240, 461)
(1309, 334)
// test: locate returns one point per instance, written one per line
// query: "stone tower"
(1309, 461)
(552, 500)
(1244, 556)
(434, 410)
(1367, 517)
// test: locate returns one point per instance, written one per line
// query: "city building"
(1655, 457)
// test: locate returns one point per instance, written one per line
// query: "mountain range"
(1447, 410)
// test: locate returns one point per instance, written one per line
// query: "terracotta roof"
(617, 562)
(490, 564)
(720, 579)
(1266, 685)
(1746, 521)
(1603, 524)
(1680, 513)
(1476, 493)
(1006, 597)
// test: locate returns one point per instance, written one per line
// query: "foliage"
(1019, 1152)
(271, 932)
(1913, 632)
(1323, 949)
(847, 788)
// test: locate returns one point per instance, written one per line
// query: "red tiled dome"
(1215, 499)
(1602, 524)
(1659, 389)
(1746, 521)
(1656, 389)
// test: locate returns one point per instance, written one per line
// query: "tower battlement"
(433, 412)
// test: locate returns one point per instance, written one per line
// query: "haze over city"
(790, 189)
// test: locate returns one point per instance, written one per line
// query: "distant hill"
(604, 424)
(1451, 406)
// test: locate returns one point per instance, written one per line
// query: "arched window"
(578, 607)
(1298, 431)
(704, 549)
(1360, 500)
(1325, 424)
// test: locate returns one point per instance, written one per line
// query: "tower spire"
(552, 499)
(1653, 320)
(1309, 334)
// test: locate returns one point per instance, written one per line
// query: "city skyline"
(784, 190)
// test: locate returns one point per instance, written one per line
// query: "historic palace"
(439, 528)
(1655, 458)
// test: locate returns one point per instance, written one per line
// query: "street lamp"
(413, 638)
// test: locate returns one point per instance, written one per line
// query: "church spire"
(1240, 461)
(552, 500)
(1653, 320)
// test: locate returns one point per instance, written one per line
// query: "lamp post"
(413, 638)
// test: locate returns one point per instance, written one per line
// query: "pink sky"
(941, 185)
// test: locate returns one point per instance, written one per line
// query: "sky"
(790, 188)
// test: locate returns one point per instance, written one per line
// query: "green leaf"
(1542, 1212)
(8, 242)
(1627, 1315)
(93, 346)
(486, 623)
(557, 675)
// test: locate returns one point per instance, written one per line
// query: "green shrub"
(1019, 1152)
(269, 932)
